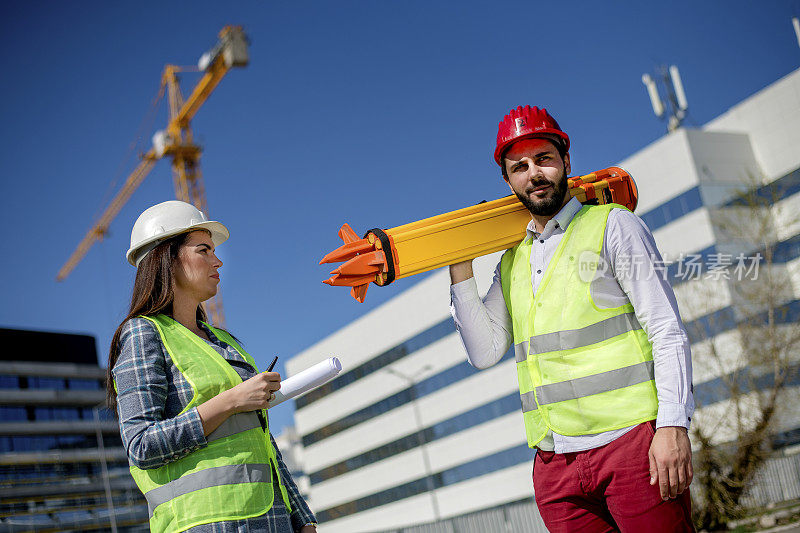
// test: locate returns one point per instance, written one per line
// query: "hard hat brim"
(553, 137)
(219, 234)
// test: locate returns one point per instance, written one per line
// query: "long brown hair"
(153, 293)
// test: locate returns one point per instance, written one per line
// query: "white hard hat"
(166, 220)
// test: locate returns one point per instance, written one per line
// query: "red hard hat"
(527, 123)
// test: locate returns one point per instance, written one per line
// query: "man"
(603, 359)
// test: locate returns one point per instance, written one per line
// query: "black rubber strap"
(387, 251)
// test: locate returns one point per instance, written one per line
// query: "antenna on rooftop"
(652, 91)
(671, 84)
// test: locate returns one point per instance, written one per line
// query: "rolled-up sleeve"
(151, 439)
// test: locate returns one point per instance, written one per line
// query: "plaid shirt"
(151, 394)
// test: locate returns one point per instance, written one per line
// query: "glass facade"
(705, 393)
(423, 388)
(704, 327)
(429, 336)
(490, 463)
(47, 413)
(673, 209)
(55, 481)
(479, 415)
(772, 192)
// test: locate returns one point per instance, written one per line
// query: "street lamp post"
(101, 448)
(420, 441)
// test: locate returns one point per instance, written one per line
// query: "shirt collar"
(208, 332)
(561, 220)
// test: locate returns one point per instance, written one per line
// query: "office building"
(410, 434)
(62, 465)
(291, 450)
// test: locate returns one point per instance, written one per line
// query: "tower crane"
(176, 142)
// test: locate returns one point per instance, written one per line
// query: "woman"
(191, 402)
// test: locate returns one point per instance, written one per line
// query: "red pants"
(607, 489)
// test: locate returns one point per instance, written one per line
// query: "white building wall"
(430, 360)
(367, 336)
(725, 162)
(662, 170)
(443, 404)
(770, 118)
(758, 137)
(292, 453)
(688, 234)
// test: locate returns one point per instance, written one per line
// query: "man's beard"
(550, 205)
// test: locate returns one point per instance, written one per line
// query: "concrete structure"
(291, 450)
(62, 465)
(411, 434)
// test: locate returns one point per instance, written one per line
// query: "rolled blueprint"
(308, 379)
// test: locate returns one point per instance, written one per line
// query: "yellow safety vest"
(581, 369)
(231, 478)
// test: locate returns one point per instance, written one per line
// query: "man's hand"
(671, 461)
(460, 271)
(308, 529)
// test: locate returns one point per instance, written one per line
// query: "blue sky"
(373, 113)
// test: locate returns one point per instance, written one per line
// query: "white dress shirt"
(635, 272)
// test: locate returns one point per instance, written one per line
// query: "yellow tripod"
(382, 256)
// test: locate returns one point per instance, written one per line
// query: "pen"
(259, 413)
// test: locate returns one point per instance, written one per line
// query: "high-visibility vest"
(581, 369)
(231, 478)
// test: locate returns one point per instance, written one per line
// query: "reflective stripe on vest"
(210, 477)
(591, 334)
(582, 369)
(528, 402)
(586, 386)
(235, 424)
(231, 477)
(521, 351)
(576, 338)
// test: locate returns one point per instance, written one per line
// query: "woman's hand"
(255, 393)
(308, 529)
(250, 395)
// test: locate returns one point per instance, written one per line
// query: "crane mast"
(176, 141)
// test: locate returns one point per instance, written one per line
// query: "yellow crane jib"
(381, 256)
(176, 141)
